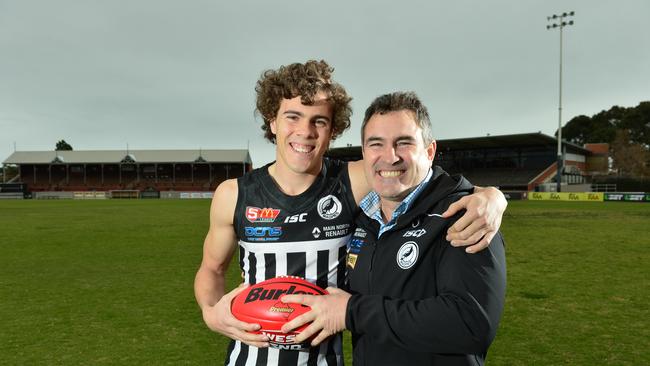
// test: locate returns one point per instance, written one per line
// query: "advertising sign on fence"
(195, 195)
(628, 197)
(566, 196)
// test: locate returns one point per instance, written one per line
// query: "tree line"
(626, 130)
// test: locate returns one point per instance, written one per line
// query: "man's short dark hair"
(399, 101)
(304, 80)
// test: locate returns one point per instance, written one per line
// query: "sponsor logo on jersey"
(316, 233)
(329, 207)
(354, 245)
(407, 255)
(332, 231)
(256, 214)
(360, 233)
(263, 233)
(296, 218)
(284, 341)
(414, 233)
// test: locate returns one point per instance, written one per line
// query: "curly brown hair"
(304, 80)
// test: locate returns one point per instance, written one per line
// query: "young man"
(415, 299)
(294, 216)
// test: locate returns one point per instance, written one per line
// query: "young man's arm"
(476, 228)
(210, 282)
(481, 221)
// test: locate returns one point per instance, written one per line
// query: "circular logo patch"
(407, 255)
(329, 207)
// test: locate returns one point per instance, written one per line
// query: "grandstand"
(520, 162)
(127, 171)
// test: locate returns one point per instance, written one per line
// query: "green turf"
(110, 283)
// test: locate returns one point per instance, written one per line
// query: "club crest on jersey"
(329, 207)
(407, 255)
(256, 214)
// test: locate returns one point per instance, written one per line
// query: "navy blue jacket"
(416, 299)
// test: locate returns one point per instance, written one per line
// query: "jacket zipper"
(372, 265)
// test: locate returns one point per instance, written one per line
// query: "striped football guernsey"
(304, 235)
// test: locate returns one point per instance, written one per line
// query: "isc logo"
(263, 231)
(414, 233)
(295, 218)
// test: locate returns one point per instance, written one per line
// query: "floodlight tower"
(559, 21)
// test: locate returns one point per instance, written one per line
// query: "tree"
(63, 146)
(603, 126)
(637, 122)
(630, 158)
(577, 130)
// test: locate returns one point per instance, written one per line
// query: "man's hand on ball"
(327, 315)
(219, 319)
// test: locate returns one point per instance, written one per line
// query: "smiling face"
(302, 133)
(395, 157)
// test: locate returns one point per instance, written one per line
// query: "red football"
(260, 304)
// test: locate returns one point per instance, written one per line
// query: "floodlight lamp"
(570, 22)
(572, 13)
(554, 16)
(564, 14)
(563, 24)
(548, 27)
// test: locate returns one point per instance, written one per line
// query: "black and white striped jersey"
(304, 235)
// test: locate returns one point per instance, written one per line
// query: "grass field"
(110, 283)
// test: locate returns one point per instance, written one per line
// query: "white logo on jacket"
(329, 207)
(407, 255)
(414, 233)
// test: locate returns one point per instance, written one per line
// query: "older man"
(415, 300)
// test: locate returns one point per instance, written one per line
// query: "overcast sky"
(181, 74)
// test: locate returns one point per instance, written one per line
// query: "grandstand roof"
(483, 142)
(137, 156)
(516, 140)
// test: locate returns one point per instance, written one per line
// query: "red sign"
(256, 214)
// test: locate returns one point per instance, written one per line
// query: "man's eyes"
(318, 122)
(397, 144)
